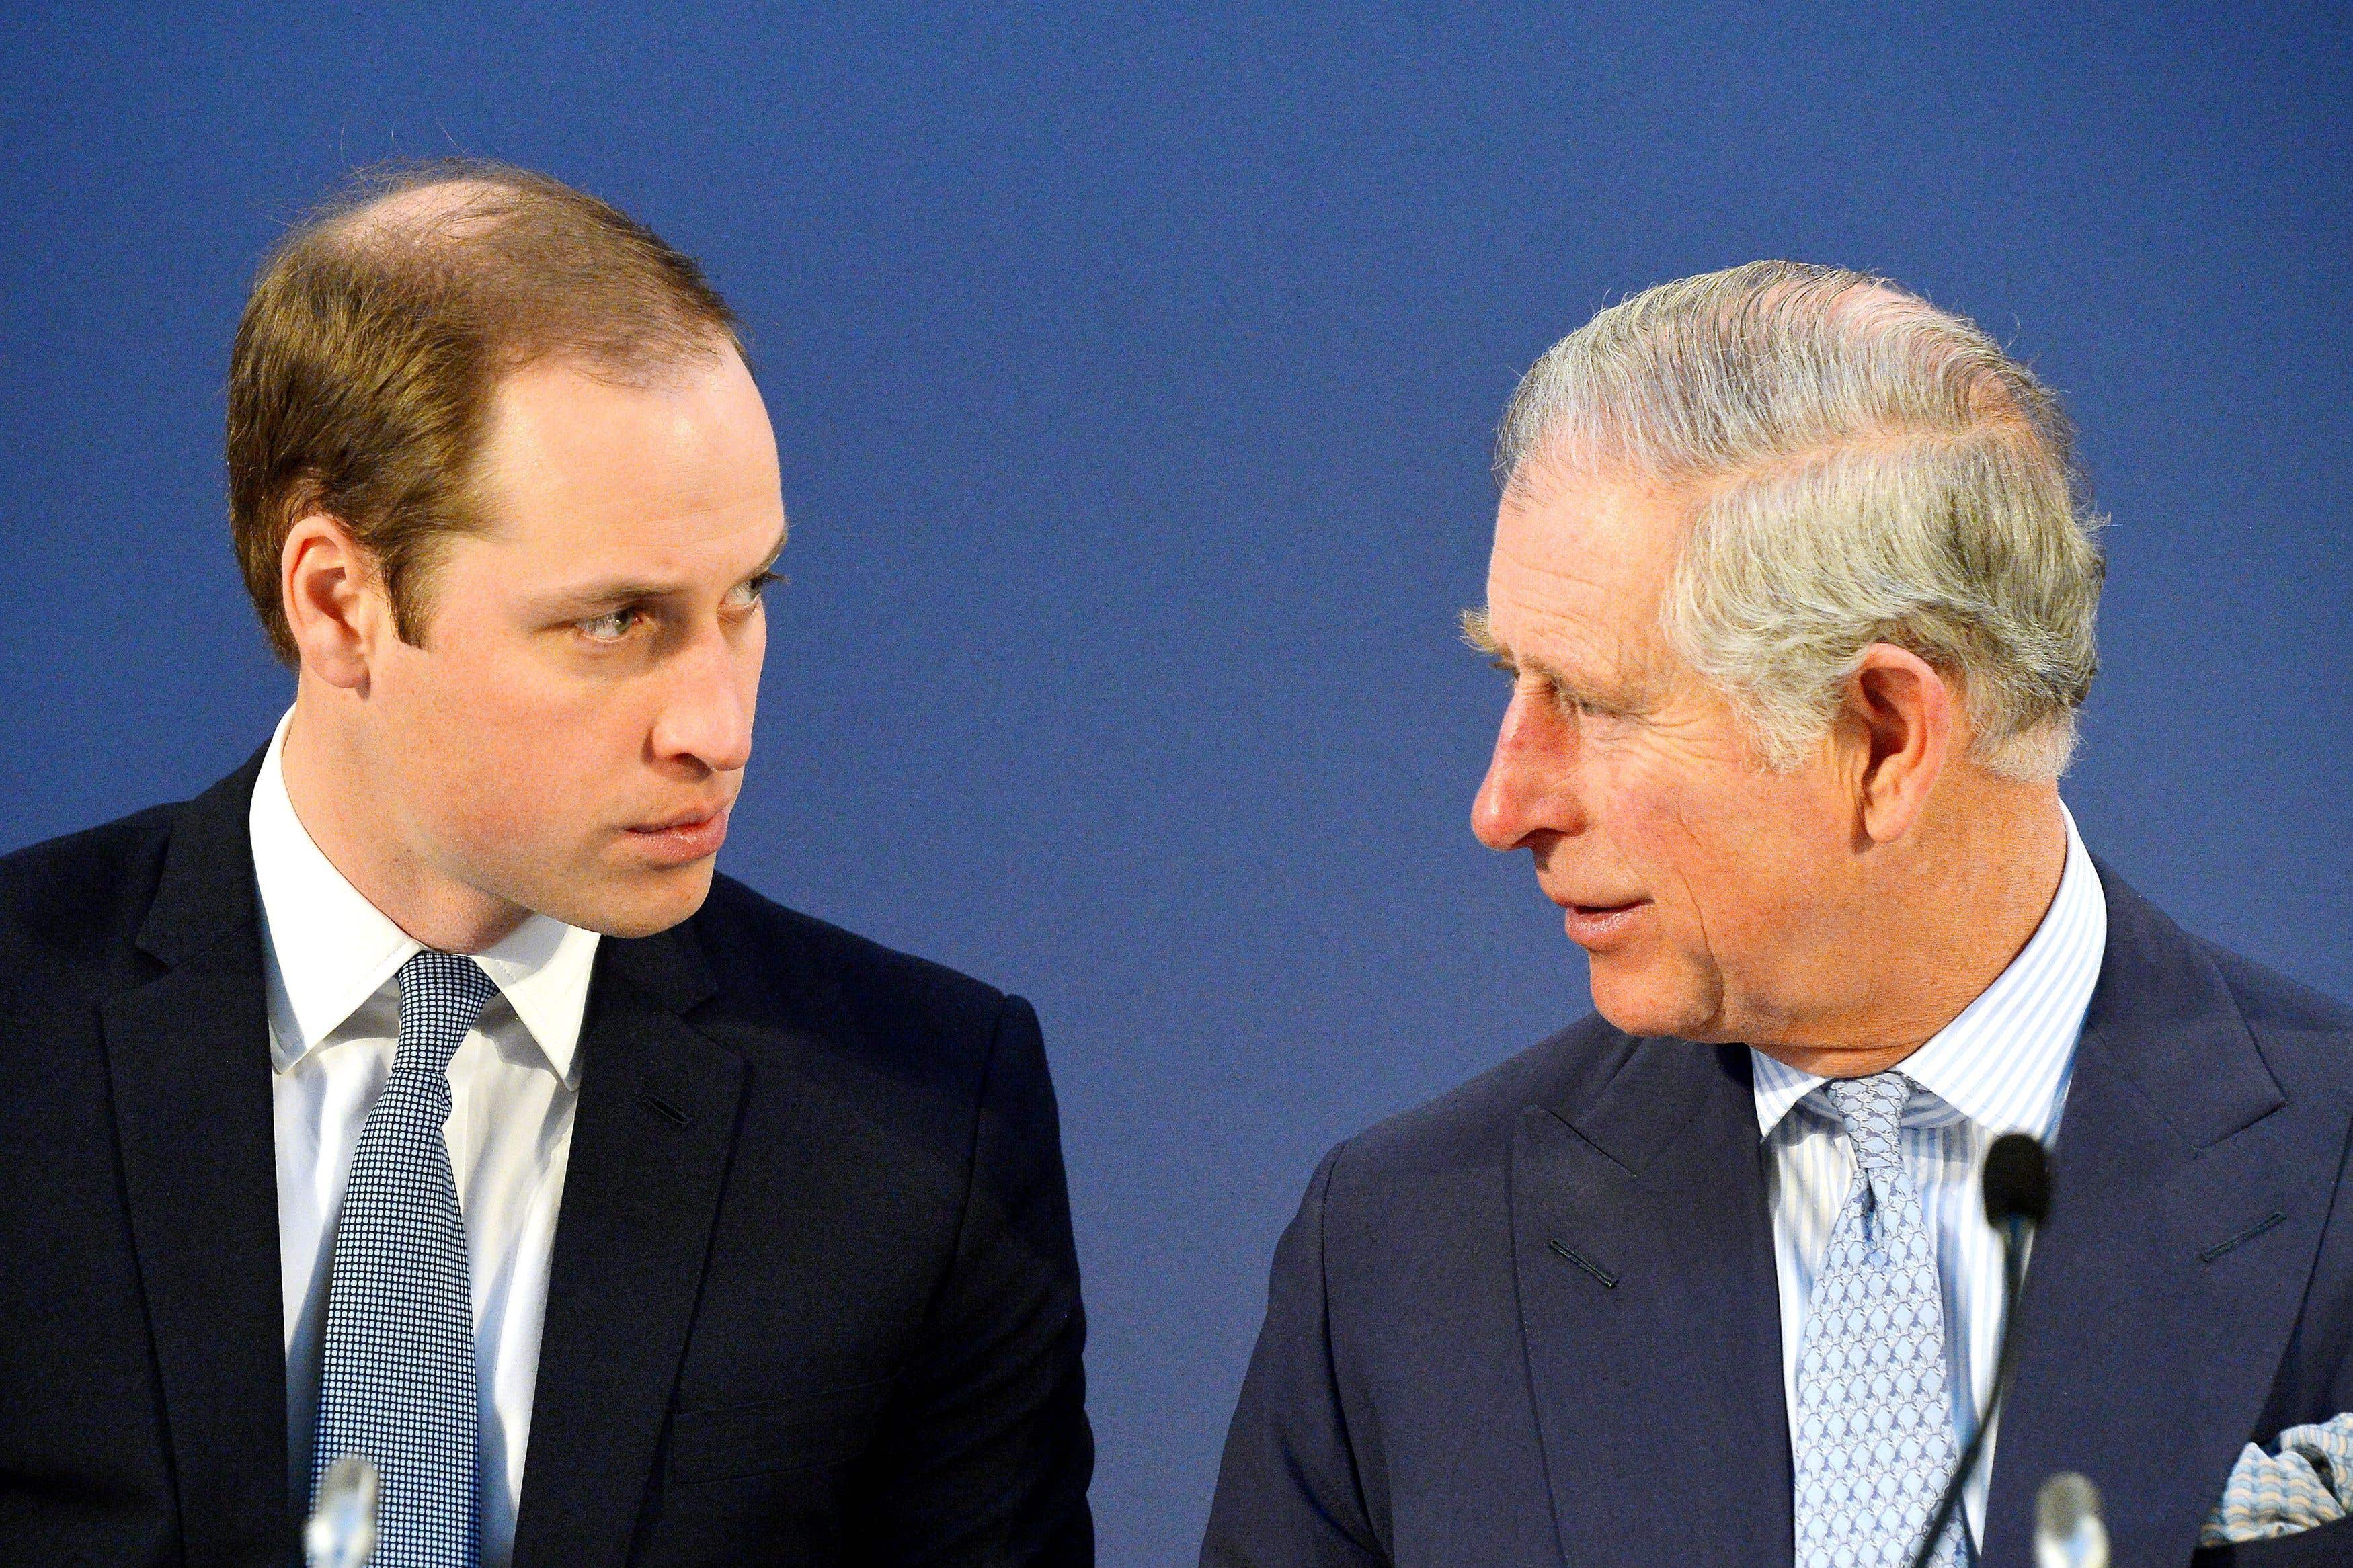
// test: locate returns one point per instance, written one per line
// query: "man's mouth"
(688, 836)
(691, 818)
(1596, 925)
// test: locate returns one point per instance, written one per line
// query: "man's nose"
(1525, 791)
(707, 712)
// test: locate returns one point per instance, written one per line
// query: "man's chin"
(642, 904)
(1646, 1005)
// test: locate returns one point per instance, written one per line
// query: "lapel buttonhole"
(1609, 1280)
(666, 1108)
(2267, 1221)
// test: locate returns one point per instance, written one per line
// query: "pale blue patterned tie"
(397, 1384)
(1875, 1438)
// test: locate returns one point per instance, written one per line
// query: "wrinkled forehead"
(1583, 553)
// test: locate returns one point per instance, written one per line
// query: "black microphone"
(2017, 1186)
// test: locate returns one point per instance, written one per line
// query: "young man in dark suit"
(418, 1092)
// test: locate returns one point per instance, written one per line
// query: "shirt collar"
(2004, 1062)
(328, 951)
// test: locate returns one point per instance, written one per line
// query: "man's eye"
(747, 593)
(610, 627)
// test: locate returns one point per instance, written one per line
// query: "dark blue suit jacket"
(1536, 1321)
(813, 1299)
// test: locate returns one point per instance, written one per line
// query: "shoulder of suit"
(2290, 1019)
(80, 897)
(768, 958)
(1471, 1124)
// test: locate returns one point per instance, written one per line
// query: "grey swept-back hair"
(1865, 467)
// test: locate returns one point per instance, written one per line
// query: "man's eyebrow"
(594, 598)
(1480, 635)
(599, 596)
(769, 559)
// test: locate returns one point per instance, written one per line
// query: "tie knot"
(1873, 1109)
(441, 995)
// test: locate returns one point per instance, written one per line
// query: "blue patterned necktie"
(1874, 1439)
(397, 1384)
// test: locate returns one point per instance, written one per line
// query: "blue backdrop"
(1135, 376)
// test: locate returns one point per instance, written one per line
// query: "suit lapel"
(650, 1149)
(1650, 1313)
(188, 1057)
(2189, 1198)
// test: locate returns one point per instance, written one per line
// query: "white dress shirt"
(2002, 1066)
(335, 1008)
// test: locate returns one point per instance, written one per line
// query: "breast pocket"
(720, 1442)
(2330, 1546)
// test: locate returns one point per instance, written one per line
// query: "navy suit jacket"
(1536, 1321)
(812, 1299)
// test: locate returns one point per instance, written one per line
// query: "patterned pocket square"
(2308, 1483)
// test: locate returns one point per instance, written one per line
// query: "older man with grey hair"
(1794, 580)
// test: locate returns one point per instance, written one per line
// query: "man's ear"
(333, 598)
(1898, 718)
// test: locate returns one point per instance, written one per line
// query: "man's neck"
(329, 783)
(1966, 908)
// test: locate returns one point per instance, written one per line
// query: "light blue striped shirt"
(2001, 1066)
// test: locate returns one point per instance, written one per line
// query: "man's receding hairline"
(1866, 466)
(429, 209)
(381, 322)
(1882, 308)
(665, 370)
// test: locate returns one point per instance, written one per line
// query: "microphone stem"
(2005, 1361)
